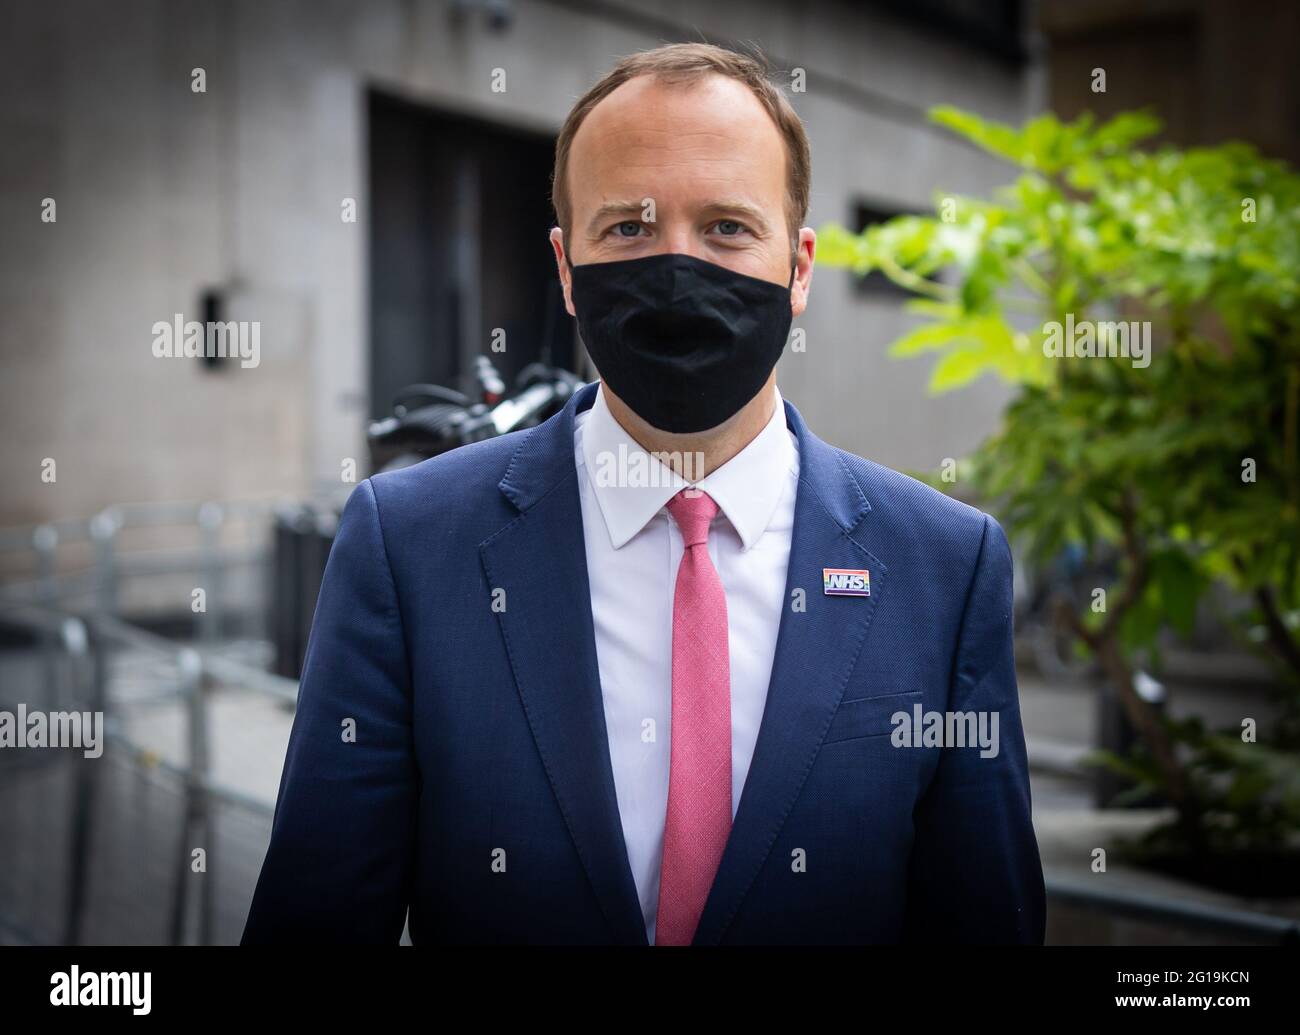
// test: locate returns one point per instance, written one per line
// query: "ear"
(805, 251)
(566, 282)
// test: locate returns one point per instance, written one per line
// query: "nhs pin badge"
(846, 582)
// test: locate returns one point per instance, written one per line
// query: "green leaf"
(994, 137)
(957, 368)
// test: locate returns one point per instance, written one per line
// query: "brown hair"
(685, 63)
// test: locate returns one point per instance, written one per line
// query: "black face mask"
(684, 342)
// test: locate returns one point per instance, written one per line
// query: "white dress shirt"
(633, 550)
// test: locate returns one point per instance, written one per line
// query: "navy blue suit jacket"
(480, 733)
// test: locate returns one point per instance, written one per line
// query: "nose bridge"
(680, 241)
(676, 231)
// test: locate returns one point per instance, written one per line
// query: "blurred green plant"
(1185, 468)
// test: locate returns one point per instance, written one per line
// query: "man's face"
(712, 162)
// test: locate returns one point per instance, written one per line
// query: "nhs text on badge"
(846, 582)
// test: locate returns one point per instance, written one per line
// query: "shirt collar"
(747, 488)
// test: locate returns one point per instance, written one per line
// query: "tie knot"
(693, 509)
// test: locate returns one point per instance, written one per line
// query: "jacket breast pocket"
(869, 716)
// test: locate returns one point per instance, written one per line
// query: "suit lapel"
(824, 640)
(540, 560)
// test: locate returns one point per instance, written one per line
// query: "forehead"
(677, 143)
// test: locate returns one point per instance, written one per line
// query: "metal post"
(196, 832)
(211, 518)
(88, 672)
(103, 533)
(45, 541)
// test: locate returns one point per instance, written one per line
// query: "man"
(657, 671)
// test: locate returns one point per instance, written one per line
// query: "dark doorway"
(459, 212)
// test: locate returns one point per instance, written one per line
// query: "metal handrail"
(211, 665)
(117, 516)
(135, 564)
(133, 515)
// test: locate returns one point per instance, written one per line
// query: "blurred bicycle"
(431, 419)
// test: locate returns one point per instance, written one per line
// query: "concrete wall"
(162, 192)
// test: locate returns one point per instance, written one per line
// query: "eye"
(628, 228)
(729, 227)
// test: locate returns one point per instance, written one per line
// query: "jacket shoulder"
(911, 508)
(459, 486)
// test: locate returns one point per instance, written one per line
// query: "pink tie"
(699, 780)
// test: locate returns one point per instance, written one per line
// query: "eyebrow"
(726, 206)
